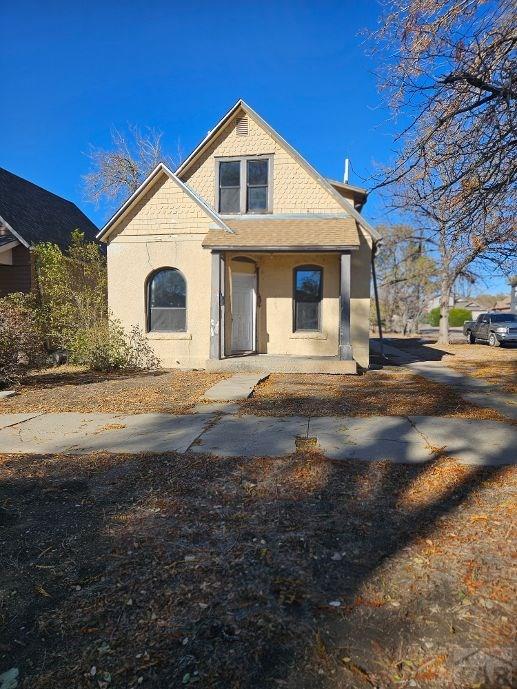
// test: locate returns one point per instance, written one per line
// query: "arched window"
(308, 290)
(167, 301)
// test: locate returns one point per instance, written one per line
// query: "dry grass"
(181, 570)
(75, 389)
(373, 394)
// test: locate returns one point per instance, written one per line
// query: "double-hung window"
(244, 185)
(230, 186)
(308, 290)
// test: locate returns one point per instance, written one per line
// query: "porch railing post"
(215, 306)
(345, 348)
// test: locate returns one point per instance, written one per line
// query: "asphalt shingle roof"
(284, 233)
(39, 215)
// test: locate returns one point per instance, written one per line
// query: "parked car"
(494, 328)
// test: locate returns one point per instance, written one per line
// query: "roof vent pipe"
(347, 167)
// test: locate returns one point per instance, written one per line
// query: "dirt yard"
(372, 394)
(173, 571)
(75, 389)
(70, 389)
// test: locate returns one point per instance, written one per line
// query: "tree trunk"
(445, 293)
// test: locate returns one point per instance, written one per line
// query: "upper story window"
(244, 185)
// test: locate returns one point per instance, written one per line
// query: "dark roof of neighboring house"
(38, 215)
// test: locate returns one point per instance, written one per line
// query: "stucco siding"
(294, 190)
(165, 229)
(130, 264)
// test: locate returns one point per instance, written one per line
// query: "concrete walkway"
(238, 387)
(412, 439)
(471, 389)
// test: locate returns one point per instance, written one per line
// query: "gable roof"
(33, 214)
(241, 105)
(160, 169)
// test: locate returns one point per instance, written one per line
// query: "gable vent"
(241, 125)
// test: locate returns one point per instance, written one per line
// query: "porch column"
(216, 303)
(345, 349)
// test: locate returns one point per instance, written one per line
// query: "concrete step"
(270, 363)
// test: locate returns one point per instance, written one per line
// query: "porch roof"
(283, 234)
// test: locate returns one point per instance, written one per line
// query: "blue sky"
(73, 70)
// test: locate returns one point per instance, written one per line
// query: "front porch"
(274, 363)
(281, 312)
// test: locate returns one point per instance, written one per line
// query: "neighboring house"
(503, 305)
(470, 305)
(246, 257)
(28, 215)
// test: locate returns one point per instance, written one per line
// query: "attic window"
(241, 125)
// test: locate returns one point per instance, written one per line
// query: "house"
(244, 258)
(28, 215)
(503, 305)
(470, 305)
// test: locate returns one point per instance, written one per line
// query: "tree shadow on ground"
(236, 573)
(414, 349)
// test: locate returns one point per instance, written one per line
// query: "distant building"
(468, 303)
(513, 294)
(29, 215)
(503, 305)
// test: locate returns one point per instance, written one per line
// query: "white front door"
(244, 300)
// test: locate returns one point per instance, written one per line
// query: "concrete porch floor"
(271, 363)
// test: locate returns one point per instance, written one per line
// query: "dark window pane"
(230, 174)
(307, 316)
(257, 172)
(229, 200)
(168, 301)
(257, 198)
(308, 285)
(170, 320)
(168, 289)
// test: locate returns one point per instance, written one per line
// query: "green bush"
(456, 317)
(72, 289)
(106, 347)
(21, 339)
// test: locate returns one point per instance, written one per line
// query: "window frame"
(243, 196)
(148, 282)
(321, 271)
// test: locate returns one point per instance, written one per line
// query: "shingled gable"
(159, 171)
(32, 214)
(240, 105)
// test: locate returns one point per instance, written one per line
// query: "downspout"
(376, 293)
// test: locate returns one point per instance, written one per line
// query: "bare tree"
(406, 275)
(450, 69)
(461, 250)
(118, 172)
